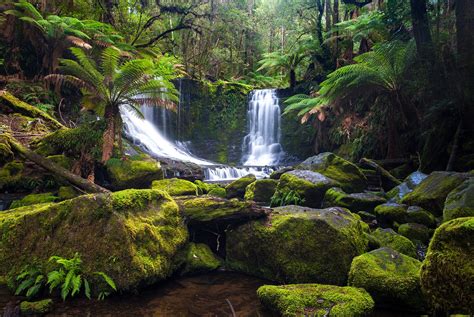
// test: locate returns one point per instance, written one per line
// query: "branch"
(180, 26)
(357, 3)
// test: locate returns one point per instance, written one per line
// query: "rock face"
(176, 187)
(316, 300)
(297, 245)
(432, 191)
(137, 172)
(391, 278)
(198, 258)
(347, 174)
(132, 235)
(447, 274)
(389, 238)
(354, 202)
(460, 201)
(310, 186)
(261, 190)
(236, 189)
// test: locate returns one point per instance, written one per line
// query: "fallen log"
(388, 180)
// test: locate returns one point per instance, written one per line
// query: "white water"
(262, 145)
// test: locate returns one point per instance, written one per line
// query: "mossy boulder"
(419, 215)
(310, 186)
(261, 190)
(432, 191)
(447, 273)
(33, 199)
(67, 192)
(347, 174)
(366, 216)
(198, 258)
(389, 238)
(36, 308)
(298, 245)
(135, 172)
(236, 189)
(203, 188)
(131, 235)
(208, 209)
(175, 187)
(391, 278)
(409, 183)
(415, 232)
(218, 192)
(355, 202)
(277, 174)
(316, 300)
(460, 201)
(389, 213)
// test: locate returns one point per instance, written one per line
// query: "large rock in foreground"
(298, 245)
(132, 235)
(432, 191)
(391, 278)
(347, 174)
(316, 300)
(447, 274)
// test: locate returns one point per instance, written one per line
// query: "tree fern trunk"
(109, 133)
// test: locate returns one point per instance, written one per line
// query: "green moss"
(432, 191)
(134, 172)
(218, 192)
(176, 186)
(131, 235)
(236, 189)
(67, 192)
(203, 188)
(33, 199)
(419, 215)
(309, 185)
(36, 308)
(460, 201)
(447, 274)
(207, 208)
(261, 190)
(347, 174)
(199, 259)
(391, 212)
(415, 232)
(61, 160)
(298, 245)
(316, 300)
(395, 241)
(354, 202)
(391, 278)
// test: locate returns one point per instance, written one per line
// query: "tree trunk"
(109, 133)
(56, 169)
(292, 78)
(455, 147)
(421, 30)
(465, 49)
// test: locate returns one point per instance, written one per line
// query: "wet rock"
(460, 201)
(277, 174)
(411, 181)
(297, 245)
(236, 189)
(316, 300)
(176, 187)
(198, 258)
(389, 213)
(419, 215)
(354, 202)
(415, 232)
(391, 278)
(447, 274)
(261, 190)
(135, 172)
(389, 238)
(347, 174)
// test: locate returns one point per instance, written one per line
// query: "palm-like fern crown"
(115, 82)
(380, 71)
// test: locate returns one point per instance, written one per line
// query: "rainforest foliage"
(383, 78)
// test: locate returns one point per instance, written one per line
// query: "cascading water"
(262, 145)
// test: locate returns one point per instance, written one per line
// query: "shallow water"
(203, 295)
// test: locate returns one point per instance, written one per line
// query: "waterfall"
(262, 145)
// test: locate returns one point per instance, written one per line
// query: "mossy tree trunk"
(111, 113)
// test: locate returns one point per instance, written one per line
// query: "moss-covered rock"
(310, 186)
(261, 190)
(36, 308)
(236, 189)
(447, 273)
(130, 235)
(298, 245)
(354, 202)
(389, 238)
(415, 232)
(218, 192)
(347, 174)
(198, 258)
(460, 201)
(316, 300)
(62, 160)
(432, 191)
(366, 216)
(213, 209)
(277, 174)
(391, 278)
(33, 199)
(176, 187)
(389, 213)
(410, 182)
(135, 172)
(203, 188)
(419, 215)
(67, 192)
